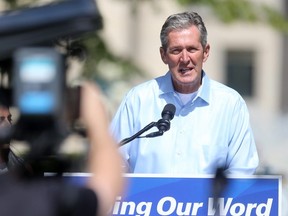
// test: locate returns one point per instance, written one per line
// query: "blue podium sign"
(152, 195)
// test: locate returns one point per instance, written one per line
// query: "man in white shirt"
(211, 126)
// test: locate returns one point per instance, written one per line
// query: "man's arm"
(104, 160)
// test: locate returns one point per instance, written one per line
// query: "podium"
(152, 195)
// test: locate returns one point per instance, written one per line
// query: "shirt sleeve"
(122, 126)
(242, 154)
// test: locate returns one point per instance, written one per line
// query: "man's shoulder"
(148, 85)
(49, 196)
(221, 93)
(224, 89)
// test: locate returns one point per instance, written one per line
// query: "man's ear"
(163, 55)
(206, 52)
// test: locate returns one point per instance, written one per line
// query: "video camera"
(36, 70)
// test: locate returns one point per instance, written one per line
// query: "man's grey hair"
(183, 21)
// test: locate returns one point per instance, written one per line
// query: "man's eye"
(10, 118)
(192, 50)
(175, 52)
(2, 119)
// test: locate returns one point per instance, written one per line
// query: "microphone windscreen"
(169, 110)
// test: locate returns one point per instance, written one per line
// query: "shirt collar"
(204, 89)
(167, 87)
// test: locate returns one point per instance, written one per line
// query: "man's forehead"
(4, 110)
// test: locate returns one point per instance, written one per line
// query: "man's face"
(5, 117)
(185, 57)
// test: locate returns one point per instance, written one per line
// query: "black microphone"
(162, 125)
(167, 115)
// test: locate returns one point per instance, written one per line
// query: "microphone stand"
(137, 135)
(163, 125)
(219, 185)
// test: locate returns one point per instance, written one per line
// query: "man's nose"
(5, 123)
(184, 56)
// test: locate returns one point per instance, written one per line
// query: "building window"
(240, 71)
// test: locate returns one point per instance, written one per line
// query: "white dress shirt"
(210, 131)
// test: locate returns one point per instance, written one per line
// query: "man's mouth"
(184, 70)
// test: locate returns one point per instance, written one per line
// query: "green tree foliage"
(230, 11)
(99, 53)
